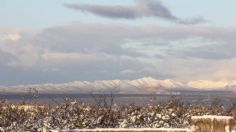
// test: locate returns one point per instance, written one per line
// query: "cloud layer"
(142, 8)
(92, 51)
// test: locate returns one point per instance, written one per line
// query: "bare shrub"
(74, 114)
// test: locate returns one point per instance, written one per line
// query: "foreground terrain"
(74, 114)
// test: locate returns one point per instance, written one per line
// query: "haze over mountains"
(142, 85)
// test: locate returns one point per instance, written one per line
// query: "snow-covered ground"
(72, 114)
(128, 130)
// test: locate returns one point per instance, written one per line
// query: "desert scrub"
(74, 114)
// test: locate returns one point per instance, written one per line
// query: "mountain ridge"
(141, 85)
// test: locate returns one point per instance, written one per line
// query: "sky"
(58, 41)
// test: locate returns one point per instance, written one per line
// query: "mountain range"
(142, 85)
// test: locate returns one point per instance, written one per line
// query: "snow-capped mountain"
(142, 85)
(206, 84)
(211, 85)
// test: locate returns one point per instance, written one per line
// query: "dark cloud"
(142, 8)
(108, 11)
(192, 21)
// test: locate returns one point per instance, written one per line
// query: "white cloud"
(20, 53)
(10, 34)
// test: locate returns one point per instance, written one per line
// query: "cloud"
(91, 51)
(10, 34)
(67, 53)
(192, 21)
(142, 8)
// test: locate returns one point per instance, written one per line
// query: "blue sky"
(56, 41)
(40, 14)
